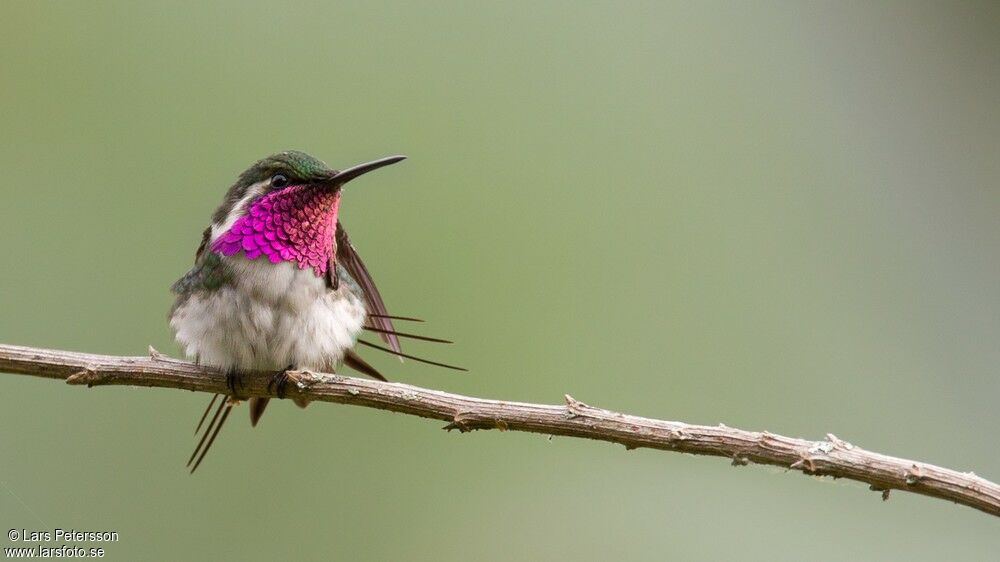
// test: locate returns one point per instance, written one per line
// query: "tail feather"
(257, 406)
(215, 433)
(427, 361)
(406, 335)
(205, 415)
(208, 429)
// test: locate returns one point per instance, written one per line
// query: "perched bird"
(276, 284)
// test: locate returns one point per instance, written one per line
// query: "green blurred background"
(780, 217)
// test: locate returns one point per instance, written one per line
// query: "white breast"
(275, 315)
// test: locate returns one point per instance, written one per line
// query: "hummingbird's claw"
(279, 382)
(235, 383)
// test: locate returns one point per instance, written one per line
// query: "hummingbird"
(277, 285)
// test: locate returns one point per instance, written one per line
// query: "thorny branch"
(829, 457)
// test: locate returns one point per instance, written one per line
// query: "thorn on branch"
(87, 376)
(838, 442)
(459, 422)
(574, 407)
(885, 491)
(913, 475)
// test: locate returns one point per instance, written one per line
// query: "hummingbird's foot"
(279, 382)
(235, 383)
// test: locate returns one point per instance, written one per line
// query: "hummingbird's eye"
(279, 180)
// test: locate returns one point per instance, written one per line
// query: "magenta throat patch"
(295, 224)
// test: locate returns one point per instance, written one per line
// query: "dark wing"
(348, 258)
(354, 361)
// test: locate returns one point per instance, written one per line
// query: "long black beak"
(344, 176)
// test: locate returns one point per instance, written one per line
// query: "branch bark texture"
(828, 457)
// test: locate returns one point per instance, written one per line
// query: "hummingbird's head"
(285, 207)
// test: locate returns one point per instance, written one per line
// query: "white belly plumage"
(272, 317)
